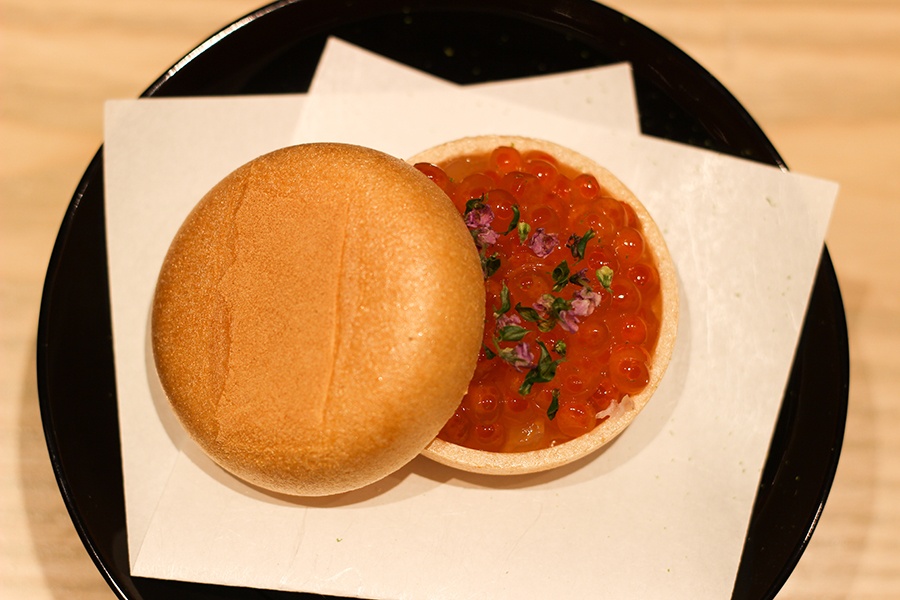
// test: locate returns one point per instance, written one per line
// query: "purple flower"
(543, 305)
(584, 301)
(568, 320)
(519, 356)
(508, 319)
(542, 243)
(485, 236)
(523, 358)
(580, 278)
(479, 221)
(480, 218)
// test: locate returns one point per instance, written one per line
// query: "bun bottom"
(620, 417)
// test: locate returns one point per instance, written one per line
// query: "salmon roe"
(572, 300)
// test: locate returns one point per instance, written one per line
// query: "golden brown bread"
(318, 317)
(509, 463)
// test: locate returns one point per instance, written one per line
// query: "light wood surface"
(822, 77)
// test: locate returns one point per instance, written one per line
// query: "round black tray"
(275, 50)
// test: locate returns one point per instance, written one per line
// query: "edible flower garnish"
(568, 320)
(542, 243)
(523, 229)
(514, 222)
(577, 244)
(584, 301)
(545, 312)
(504, 301)
(519, 356)
(560, 347)
(580, 278)
(553, 408)
(479, 215)
(511, 333)
(543, 372)
(505, 320)
(604, 276)
(479, 220)
(549, 306)
(490, 264)
(550, 310)
(560, 276)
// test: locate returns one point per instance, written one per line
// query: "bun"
(507, 463)
(318, 317)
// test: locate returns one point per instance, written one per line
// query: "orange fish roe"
(573, 300)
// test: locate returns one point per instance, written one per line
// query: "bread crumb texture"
(318, 317)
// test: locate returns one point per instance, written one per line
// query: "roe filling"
(573, 303)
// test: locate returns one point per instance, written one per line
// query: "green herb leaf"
(488, 353)
(528, 313)
(490, 264)
(524, 229)
(504, 301)
(559, 305)
(580, 278)
(546, 325)
(474, 203)
(511, 333)
(604, 276)
(543, 372)
(560, 276)
(577, 244)
(560, 347)
(554, 306)
(554, 404)
(513, 356)
(514, 223)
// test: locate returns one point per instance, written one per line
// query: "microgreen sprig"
(604, 276)
(560, 276)
(523, 230)
(549, 314)
(543, 372)
(490, 264)
(514, 222)
(560, 348)
(553, 408)
(578, 243)
(504, 301)
(511, 333)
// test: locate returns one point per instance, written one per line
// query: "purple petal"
(580, 278)
(487, 236)
(479, 218)
(508, 319)
(524, 357)
(584, 301)
(568, 320)
(543, 305)
(542, 243)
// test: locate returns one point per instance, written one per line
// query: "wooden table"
(822, 77)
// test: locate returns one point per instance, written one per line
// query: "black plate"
(275, 50)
